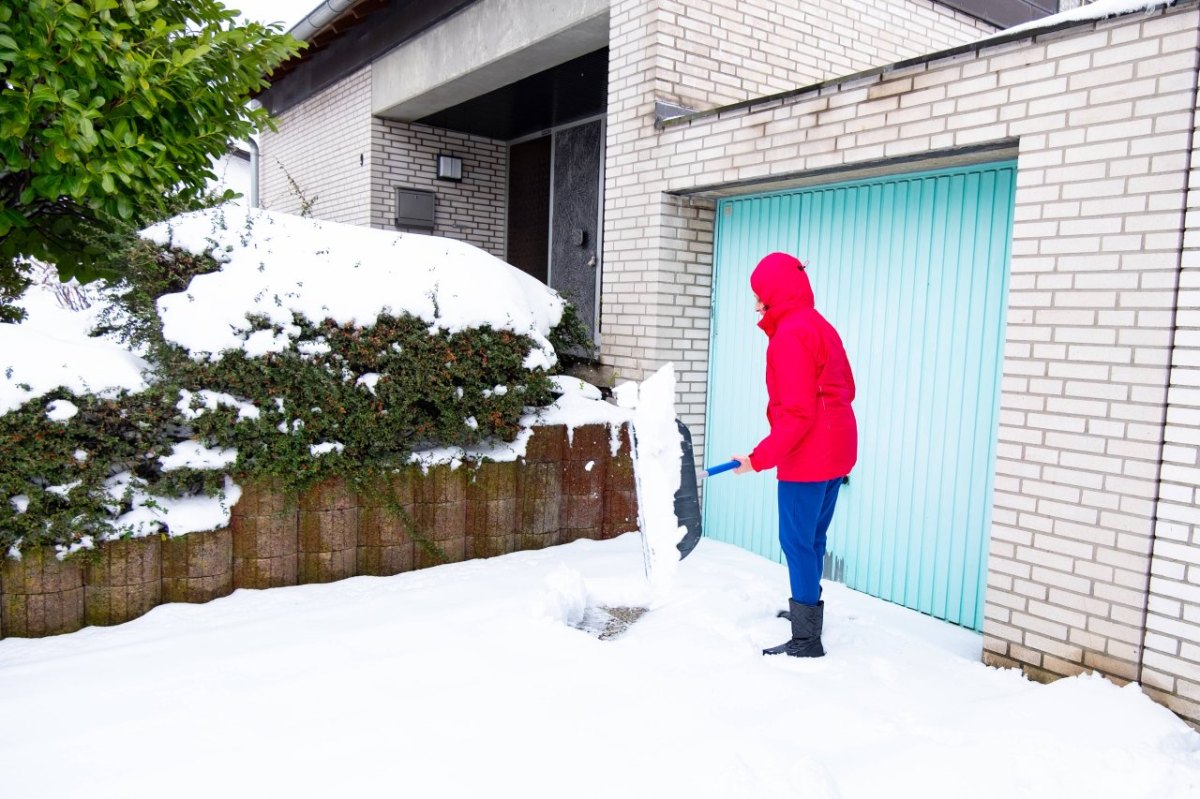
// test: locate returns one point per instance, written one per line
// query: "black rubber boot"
(807, 621)
(787, 614)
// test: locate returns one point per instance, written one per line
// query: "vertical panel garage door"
(912, 271)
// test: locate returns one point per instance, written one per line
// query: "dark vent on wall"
(1005, 13)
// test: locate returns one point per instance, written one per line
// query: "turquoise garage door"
(913, 272)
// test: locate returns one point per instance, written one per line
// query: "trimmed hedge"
(342, 401)
(420, 390)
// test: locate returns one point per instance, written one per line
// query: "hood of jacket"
(781, 283)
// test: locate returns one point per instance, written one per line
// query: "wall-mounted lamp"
(449, 167)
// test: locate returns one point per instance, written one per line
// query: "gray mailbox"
(414, 208)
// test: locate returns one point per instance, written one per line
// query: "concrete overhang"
(487, 45)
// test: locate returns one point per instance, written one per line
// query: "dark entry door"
(575, 216)
(529, 206)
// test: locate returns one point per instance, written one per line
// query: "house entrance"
(554, 209)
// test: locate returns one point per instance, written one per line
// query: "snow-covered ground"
(470, 680)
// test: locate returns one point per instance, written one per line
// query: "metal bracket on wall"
(664, 110)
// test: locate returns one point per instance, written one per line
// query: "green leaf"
(88, 131)
(108, 111)
(44, 95)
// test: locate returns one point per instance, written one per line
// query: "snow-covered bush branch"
(275, 347)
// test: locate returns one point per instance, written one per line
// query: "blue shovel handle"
(723, 467)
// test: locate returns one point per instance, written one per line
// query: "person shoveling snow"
(813, 442)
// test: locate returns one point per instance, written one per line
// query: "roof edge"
(316, 20)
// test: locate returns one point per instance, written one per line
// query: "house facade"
(1002, 228)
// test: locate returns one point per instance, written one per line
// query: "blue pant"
(805, 510)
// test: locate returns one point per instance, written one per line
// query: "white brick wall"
(321, 155)
(473, 210)
(1101, 113)
(1172, 645)
(716, 52)
(331, 153)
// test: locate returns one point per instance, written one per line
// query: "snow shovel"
(687, 498)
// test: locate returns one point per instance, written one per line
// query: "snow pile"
(51, 349)
(278, 265)
(579, 403)
(151, 514)
(410, 677)
(657, 461)
(192, 404)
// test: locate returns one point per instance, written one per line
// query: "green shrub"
(571, 339)
(342, 401)
(420, 390)
(56, 478)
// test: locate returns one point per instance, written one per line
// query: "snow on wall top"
(1100, 9)
(274, 265)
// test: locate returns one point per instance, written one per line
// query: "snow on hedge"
(276, 265)
(51, 349)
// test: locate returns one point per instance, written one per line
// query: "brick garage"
(1095, 543)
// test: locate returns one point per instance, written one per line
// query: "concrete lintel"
(488, 45)
(1003, 149)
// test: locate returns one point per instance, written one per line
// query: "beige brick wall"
(321, 154)
(472, 211)
(715, 52)
(1102, 114)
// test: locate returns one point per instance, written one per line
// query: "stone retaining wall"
(569, 486)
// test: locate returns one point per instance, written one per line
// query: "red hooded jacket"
(813, 435)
